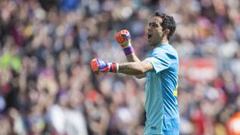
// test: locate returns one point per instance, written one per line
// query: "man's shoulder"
(165, 50)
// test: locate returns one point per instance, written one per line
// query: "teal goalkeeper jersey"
(161, 105)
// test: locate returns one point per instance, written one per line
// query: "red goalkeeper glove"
(123, 37)
(98, 65)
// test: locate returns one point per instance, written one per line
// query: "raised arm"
(123, 37)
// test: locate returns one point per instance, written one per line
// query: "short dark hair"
(167, 23)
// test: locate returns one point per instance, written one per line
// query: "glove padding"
(123, 37)
(98, 65)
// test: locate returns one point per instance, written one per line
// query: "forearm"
(131, 68)
(132, 58)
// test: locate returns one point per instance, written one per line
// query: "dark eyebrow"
(153, 23)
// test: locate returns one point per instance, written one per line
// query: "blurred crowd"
(47, 88)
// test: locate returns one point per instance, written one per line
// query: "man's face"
(154, 31)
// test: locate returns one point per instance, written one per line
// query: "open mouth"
(149, 36)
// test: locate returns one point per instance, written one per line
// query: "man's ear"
(166, 31)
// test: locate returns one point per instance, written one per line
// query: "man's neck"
(164, 41)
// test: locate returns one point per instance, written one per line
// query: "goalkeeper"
(160, 69)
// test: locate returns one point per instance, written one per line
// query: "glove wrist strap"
(128, 50)
(114, 67)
